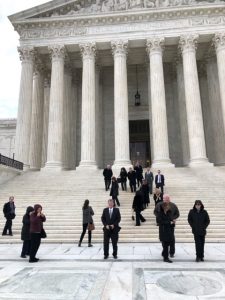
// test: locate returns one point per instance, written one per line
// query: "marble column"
(46, 119)
(23, 126)
(67, 106)
(88, 130)
(55, 127)
(74, 113)
(37, 117)
(215, 109)
(158, 103)
(196, 136)
(98, 113)
(121, 118)
(182, 112)
(219, 42)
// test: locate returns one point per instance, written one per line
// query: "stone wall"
(7, 137)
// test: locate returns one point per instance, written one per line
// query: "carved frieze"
(98, 6)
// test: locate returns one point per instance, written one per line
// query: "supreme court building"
(115, 81)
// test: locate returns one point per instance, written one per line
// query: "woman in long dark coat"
(87, 219)
(114, 192)
(25, 233)
(198, 219)
(166, 233)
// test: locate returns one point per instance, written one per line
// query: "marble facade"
(79, 77)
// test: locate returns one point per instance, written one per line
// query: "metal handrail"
(10, 162)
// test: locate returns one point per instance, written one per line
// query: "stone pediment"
(62, 8)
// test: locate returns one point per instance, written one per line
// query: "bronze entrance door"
(140, 142)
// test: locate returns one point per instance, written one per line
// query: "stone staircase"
(62, 195)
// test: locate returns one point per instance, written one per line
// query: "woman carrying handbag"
(88, 223)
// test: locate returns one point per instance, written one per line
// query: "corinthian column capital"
(219, 41)
(57, 51)
(119, 47)
(155, 44)
(188, 42)
(88, 50)
(26, 53)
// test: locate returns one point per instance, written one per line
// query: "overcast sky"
(10, 65)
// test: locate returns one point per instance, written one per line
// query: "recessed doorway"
(140, 142)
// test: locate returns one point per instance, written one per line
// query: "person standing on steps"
(87, 219)
(198, 219)
(160, 181)
(123, 178)
(114, 192)
(25, 233)
(111, 219)
(150, 178)
(132, 179)
(139, 173)
(36, 226)
(166, 233)
(138, 207)
(107, 173)
(9, 213)
(174, 215)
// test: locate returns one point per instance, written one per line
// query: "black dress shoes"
(33, 260)
(115, 256)
(167, 260)
(198, 259)
(202, 259)
(23, 256)
(106, 256)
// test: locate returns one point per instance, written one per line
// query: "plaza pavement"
(69, 272)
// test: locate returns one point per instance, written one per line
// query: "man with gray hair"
(174, 215)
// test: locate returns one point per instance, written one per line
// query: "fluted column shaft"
(22, 143)
(98, 93)
(158, 103)
(67, 107)
(219, 42)
(121, 119)
(74, 110)
(45, 120)
(37, 118)
(182, 113)
(88, 155)
(193, 101)
(54, 152)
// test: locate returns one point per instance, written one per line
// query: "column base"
(87, 164)
(200, 162)
(26, 167)
(164, 163)
(53, 165)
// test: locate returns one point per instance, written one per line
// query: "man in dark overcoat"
(111, 219)
(107, 173)
(9, 214)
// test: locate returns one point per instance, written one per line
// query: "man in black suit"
(110, 219)
(9, 214)
(159, 181)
